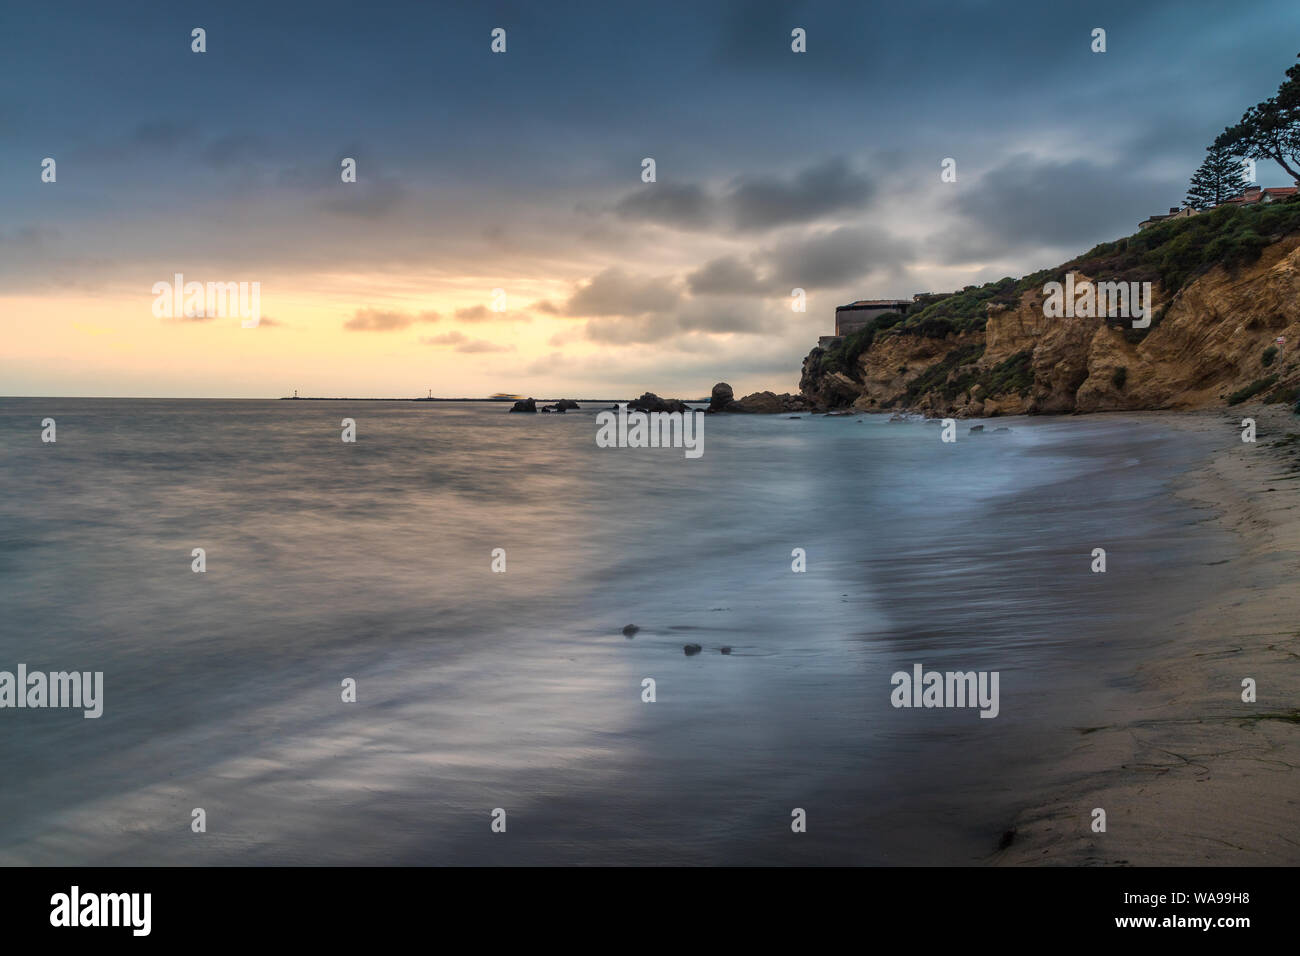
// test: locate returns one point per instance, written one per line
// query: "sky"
(522, 171)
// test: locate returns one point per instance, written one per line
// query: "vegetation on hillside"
(1171, 254)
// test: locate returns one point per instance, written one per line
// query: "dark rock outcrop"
(561, 406)
(759, 403)
(769, 403)
(692, 649)
(527, 405)
(722, 397)
(650, 402)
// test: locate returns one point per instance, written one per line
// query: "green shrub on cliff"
(1251, 390)
(1270, 354)
(1014, 374)
(935, 378)
(1176, 251)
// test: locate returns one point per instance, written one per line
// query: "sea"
(409, 649)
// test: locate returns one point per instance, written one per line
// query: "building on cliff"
(1250, 197)
(1174, 213)
(1256, 195)
(855, 316)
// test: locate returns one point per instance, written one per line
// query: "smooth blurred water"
(479, 690)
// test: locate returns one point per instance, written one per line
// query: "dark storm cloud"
(680, 205)
(837, 257)
(698, 318)
(1028, 202)
(726, 275)
(828, 189)
(750, 204)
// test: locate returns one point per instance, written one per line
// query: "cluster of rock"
(650, 402)
(530, 405)
(758, 403)
(722, 400)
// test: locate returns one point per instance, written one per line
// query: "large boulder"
(650, 402)
(527, 405)
(721, 398)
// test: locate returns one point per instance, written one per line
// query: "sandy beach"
(1187, 772)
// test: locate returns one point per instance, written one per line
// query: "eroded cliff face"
(1205, 343)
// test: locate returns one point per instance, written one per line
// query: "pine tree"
(1220, 178)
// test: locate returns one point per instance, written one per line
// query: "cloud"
(680, 205)
(837, 257)
(1027, 203)
(481, 313)
(831, 188)
(464, 344)
(725, 276)
(480, 345)
(700, 318)
(378, 320)
(615, 292)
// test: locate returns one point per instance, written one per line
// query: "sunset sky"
(522, 171)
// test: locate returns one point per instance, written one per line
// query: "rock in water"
(721, 398)
(561, 406)
(527, 405)
(692, 649)
(650, 402)
(630, 630)
(726, 650)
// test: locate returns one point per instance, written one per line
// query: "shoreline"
(1181, 747)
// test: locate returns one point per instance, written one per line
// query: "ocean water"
(479, 690)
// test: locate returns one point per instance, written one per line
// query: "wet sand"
(1187, 772)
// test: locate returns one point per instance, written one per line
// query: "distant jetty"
(323, 398)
